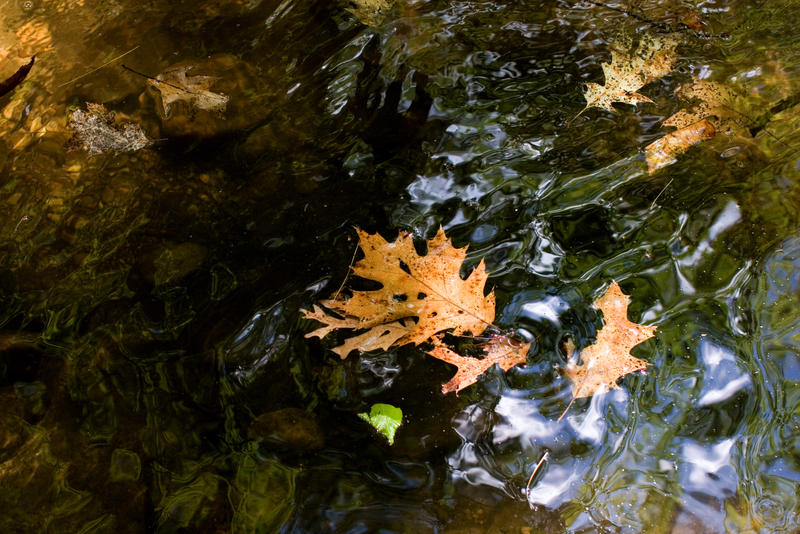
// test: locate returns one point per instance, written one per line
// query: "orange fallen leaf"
(420, 296)
(500, 350)
(666, 150)
(609, 359)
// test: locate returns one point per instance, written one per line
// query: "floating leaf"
(173, 85)
(714, 102)
(712, 111)
(666, 150)
(384, 418)
(370, 12)
(609, 359)
(421, 296)
(500, 350)
(428, 288)
(628, 72)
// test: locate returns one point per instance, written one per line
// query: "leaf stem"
(542, 460)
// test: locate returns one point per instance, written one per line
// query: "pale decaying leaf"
(665, 151)
(174, 85)
(609, 358)
(628, 72)
(499, 350)
(371, 12)
(428, 288)
(712, 101)
(712, 111)
(95, 130)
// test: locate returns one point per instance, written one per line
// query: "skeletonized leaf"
(96, 131)
(500, 350)
(630, 71)
(428, 288)
(173, 85)
(666, 150)
(609, 359)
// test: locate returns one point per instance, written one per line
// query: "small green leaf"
(385, 418)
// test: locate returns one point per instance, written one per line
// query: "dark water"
(153, 369)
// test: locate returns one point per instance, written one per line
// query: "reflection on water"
(153, 367)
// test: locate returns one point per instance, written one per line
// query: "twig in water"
(560, 417)
(158, 80)
(660, 193)
(542, 460)
(349, 268)
(107, 63)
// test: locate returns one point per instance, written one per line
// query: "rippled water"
(153, 365)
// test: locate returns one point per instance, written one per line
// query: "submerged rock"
(288, 427)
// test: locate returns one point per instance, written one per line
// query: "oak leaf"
(174, 85)
(427, 288)
(712, 111)
(628, 72)
(609, 359)
(500, 350)
(712, 101)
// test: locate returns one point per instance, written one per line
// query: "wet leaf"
(370, 12)
(96, 131)
(712, 111)
(609, 359)
(174, 85)
(630, 71)
(714, 102)
(500, 350)
(17, 78)
(428, 288)
(666, 150)
(384, 418)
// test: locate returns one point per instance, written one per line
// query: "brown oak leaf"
(628, 72)
(500, 350)
(420, 296)
(609, 359)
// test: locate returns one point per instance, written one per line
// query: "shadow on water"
(153, 366)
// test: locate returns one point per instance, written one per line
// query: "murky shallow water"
(153, 367)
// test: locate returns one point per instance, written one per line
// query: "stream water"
(154, 373)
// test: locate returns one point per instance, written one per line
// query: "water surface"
(153, 365)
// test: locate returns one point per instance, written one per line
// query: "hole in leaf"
(404, 266)
(400, 298)
(434, 314)
(421, 295)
